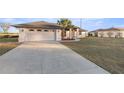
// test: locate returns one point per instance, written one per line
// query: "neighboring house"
(92, 33)
(110, 32)
(38, 31)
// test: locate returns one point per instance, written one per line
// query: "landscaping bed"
(107, 53)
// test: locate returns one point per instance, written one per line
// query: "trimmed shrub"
(3, 35)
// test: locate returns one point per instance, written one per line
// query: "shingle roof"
(40, 24)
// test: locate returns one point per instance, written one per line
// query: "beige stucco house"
(38, 31)
(110, 32)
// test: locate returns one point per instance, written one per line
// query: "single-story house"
(38, 31)
(110, 32)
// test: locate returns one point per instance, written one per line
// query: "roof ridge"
(37, 24)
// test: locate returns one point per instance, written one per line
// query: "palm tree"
(66, 24)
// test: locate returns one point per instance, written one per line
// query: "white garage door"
(39, 36)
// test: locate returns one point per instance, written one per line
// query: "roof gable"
(40, 24)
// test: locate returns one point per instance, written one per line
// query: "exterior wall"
(67, 35)
(58, 35)
(83, 34)
(122, 34)
(114, 34)
(21, 37)
(22, 34)
(70, 34)
(26, 35)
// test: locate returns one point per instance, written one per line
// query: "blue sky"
(87, 23)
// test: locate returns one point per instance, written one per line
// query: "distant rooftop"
(109, 29)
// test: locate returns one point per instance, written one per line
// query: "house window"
(46, 30)
(39, 30)
(31, 30)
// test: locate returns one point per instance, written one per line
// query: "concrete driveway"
(46, 57)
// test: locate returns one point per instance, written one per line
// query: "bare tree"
(5, 27)
(101, 34)
(110, 34)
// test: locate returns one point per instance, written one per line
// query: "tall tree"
(65, 23)
(5, 27)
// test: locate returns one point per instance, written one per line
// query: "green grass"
(107, 53)
(9, 40)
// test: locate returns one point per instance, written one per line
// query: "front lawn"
(6, 44)
(108, 53)
(6, 47)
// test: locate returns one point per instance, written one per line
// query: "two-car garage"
(39, 36)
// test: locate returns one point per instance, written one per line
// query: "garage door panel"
(39, 36)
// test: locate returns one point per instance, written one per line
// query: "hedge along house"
(110, 32)
(39, 31)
